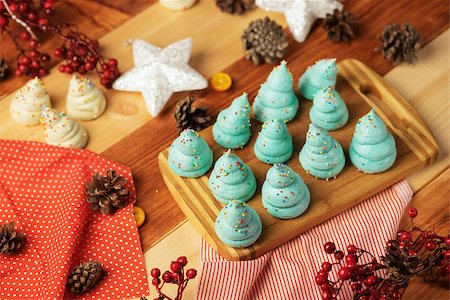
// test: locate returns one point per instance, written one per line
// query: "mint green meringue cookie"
(329, 110)
(321, 156)
(276, 98)
(190, 155)
(274, 142)
(284, 193)
(232, 128)
(231, 179)
(322, 74)
(238, 225)
(373, 148)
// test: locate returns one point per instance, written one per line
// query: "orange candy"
(139, 215)
(221, 82)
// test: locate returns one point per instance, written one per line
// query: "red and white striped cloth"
(288, 271)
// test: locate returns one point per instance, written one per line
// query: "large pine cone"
(85, 276)
(189, 117)
(400, 43)
(235, 6)
(265, 41)
(340, 26)
(107, 193)
(10, 240)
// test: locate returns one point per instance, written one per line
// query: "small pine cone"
(85, 276)
(10, 240)
(107, 193)
(188, 117)
(3, 69)
(235, 6)
(340, 26)
(400, 43)
(265, 41)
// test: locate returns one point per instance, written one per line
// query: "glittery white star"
(300, 14)
(158, 73)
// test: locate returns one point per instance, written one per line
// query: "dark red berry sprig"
(81, 54)
(176, 275)
(415, 252)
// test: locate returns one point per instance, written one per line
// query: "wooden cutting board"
(362, 89)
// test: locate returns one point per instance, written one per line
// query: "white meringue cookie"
(178, 4)
(27, 103)
(84, 100)
(62, 130)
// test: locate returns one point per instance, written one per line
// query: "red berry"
(329, 247)
(371, 280)
(320, 280)
(68, 70)
(396, 295)
(176, 267)
(326, 295)
(350, 258)
(339, 255)
(34, 54)
(45, 57)
(344, 273)
(322, 273)
(156, 281)
(33, 43)
(447, 241)
(325, 287)
(25, 36)
(182, 260)
(390, 244)
(88, 66)
(326, 266)
(25, 60)
(43, 21)
(167, 277)
(356, 286)
(14, 7)
(18, 72)
(412, 212)
(191, 273)
(447, 254)
(23, 7)
(62, 68)
(351, 249)
(105, 81)
(112, 62)
(42, 72)
(3, 22)
(24, 69)
(430, 245)
(108, 74)
(405, 236)
(31, 16)
(412, 252)
(57, 52)
(35, 64)
(155, 272)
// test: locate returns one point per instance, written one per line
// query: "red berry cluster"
(176, 275)
(415, 252)
(81, 53)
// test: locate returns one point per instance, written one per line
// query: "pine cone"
(400, 43)
(190, 117)
(3, 69)
(10, 240)
(85, 276)
(265, 41)
(107, 193)
(340, 26)
(235, 6)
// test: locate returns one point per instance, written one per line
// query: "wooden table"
(217, 47)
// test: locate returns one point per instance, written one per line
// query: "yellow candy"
(139, 215)
(221, 82)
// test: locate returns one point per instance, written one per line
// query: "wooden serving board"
(362, 89)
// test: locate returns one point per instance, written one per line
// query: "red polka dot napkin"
(288, 271)
(42, 191)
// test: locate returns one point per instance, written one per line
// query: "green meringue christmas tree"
(329, 110)
(231, 179)
(232, 128)
(274, 142)
(322, 74)
(276, 98)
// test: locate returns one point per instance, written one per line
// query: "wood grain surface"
(416, 148)
(163, 213)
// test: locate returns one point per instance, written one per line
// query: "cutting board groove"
(362, 89)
